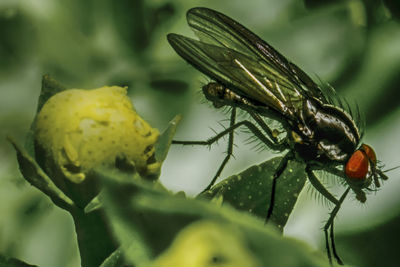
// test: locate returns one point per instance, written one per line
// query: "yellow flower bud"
(206, 244)
(84, 129)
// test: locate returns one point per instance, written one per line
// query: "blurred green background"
(354, 45)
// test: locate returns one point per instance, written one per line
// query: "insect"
(322, 129)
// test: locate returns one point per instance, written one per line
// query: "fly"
(322, 130)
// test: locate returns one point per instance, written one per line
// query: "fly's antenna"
(382, 172)
(391, 169)
(371, 189)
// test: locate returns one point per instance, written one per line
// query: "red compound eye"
(369, 152)
(357, 166)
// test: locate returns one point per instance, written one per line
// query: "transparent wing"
(239, 72)
(234, 56)
(216, 28)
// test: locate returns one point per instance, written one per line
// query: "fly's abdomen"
(221, 96)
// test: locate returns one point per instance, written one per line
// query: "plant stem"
(95, 239)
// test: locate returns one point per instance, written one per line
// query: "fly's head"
(362, 171)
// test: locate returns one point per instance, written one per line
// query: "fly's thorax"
(305, 150)
(329, 132)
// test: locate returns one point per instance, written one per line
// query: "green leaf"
(126, 222)
(39, 179)
(263, 240)
(50, 87)
(11, 262)
(116, 259)
(165, 139)
(375, 246)
(218, 243)
(250, 190)
(94, 204)
(152, 220)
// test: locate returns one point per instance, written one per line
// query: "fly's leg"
(230, 130)
(328, 249)
(319, 186)
(253, 128)
(335, 255)
(257, 118)
(229, 152)
(277, 174)
(360, 195)
(210, 141)
(329, 224)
